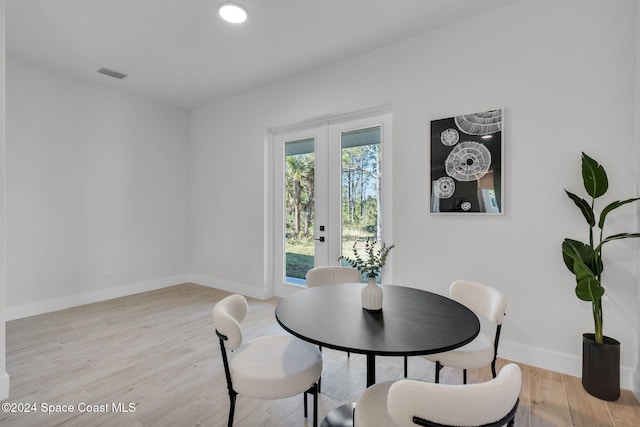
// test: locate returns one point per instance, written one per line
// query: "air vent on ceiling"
(111, 73)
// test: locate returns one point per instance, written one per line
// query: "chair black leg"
(315, 405)
(353, 416)
(314, 391)
(493, 368)
(227, 372)
(406, 366)
(464, 376)
(438, 367)
(232, 409)
(319, 379)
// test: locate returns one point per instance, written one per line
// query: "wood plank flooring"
(158, 352)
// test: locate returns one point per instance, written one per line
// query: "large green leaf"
(594, 177)
(595, 264)
(612, 206)
(618, 236)
(589, 289)
(582, 271)
(587, 286)
(584, 207)
(573, 250)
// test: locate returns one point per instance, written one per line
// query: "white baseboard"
(4, 386)
(238, 288)
(45, 306)
(60, 303)
(636, 384)
(559, 362)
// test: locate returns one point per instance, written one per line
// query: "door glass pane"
(361, 207)
(299, 209)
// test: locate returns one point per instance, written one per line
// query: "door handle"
(320, 239)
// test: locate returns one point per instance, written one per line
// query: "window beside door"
(361, 188)
(299, 182)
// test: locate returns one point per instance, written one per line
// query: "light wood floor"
(158, 351)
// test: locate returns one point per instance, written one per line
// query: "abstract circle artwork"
(444, 187)
(449, 137)
(468, 161)
(483, 123)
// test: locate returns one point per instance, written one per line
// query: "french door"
(331, 183)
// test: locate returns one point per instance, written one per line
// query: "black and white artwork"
(466, 163)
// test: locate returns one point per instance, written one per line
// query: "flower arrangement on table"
(370, 260)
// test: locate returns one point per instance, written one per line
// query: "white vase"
(372, 295)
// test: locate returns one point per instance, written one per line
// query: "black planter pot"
(601, 367)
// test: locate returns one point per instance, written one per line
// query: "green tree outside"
(360, 204)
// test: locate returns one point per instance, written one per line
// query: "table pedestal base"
(342, 416)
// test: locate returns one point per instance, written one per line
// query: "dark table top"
(412, 322)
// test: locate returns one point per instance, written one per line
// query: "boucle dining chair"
(270, 367)
(486, 302)
(332, 275)
(406, 403)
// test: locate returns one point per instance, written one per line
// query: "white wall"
(4, 378)
(97, 200)
(564, 80)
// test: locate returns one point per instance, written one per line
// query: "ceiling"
(182, 53)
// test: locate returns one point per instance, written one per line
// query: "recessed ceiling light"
(233, 13)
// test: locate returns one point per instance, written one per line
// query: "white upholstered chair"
(271, 367)
(486, 302)
(331, 275)
(407, 403)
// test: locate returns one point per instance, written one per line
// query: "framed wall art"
(466, 164)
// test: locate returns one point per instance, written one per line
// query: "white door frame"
(328, 153)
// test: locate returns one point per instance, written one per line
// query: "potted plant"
(369, 263)
(600, 354)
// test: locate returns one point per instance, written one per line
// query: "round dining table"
(412, 322)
